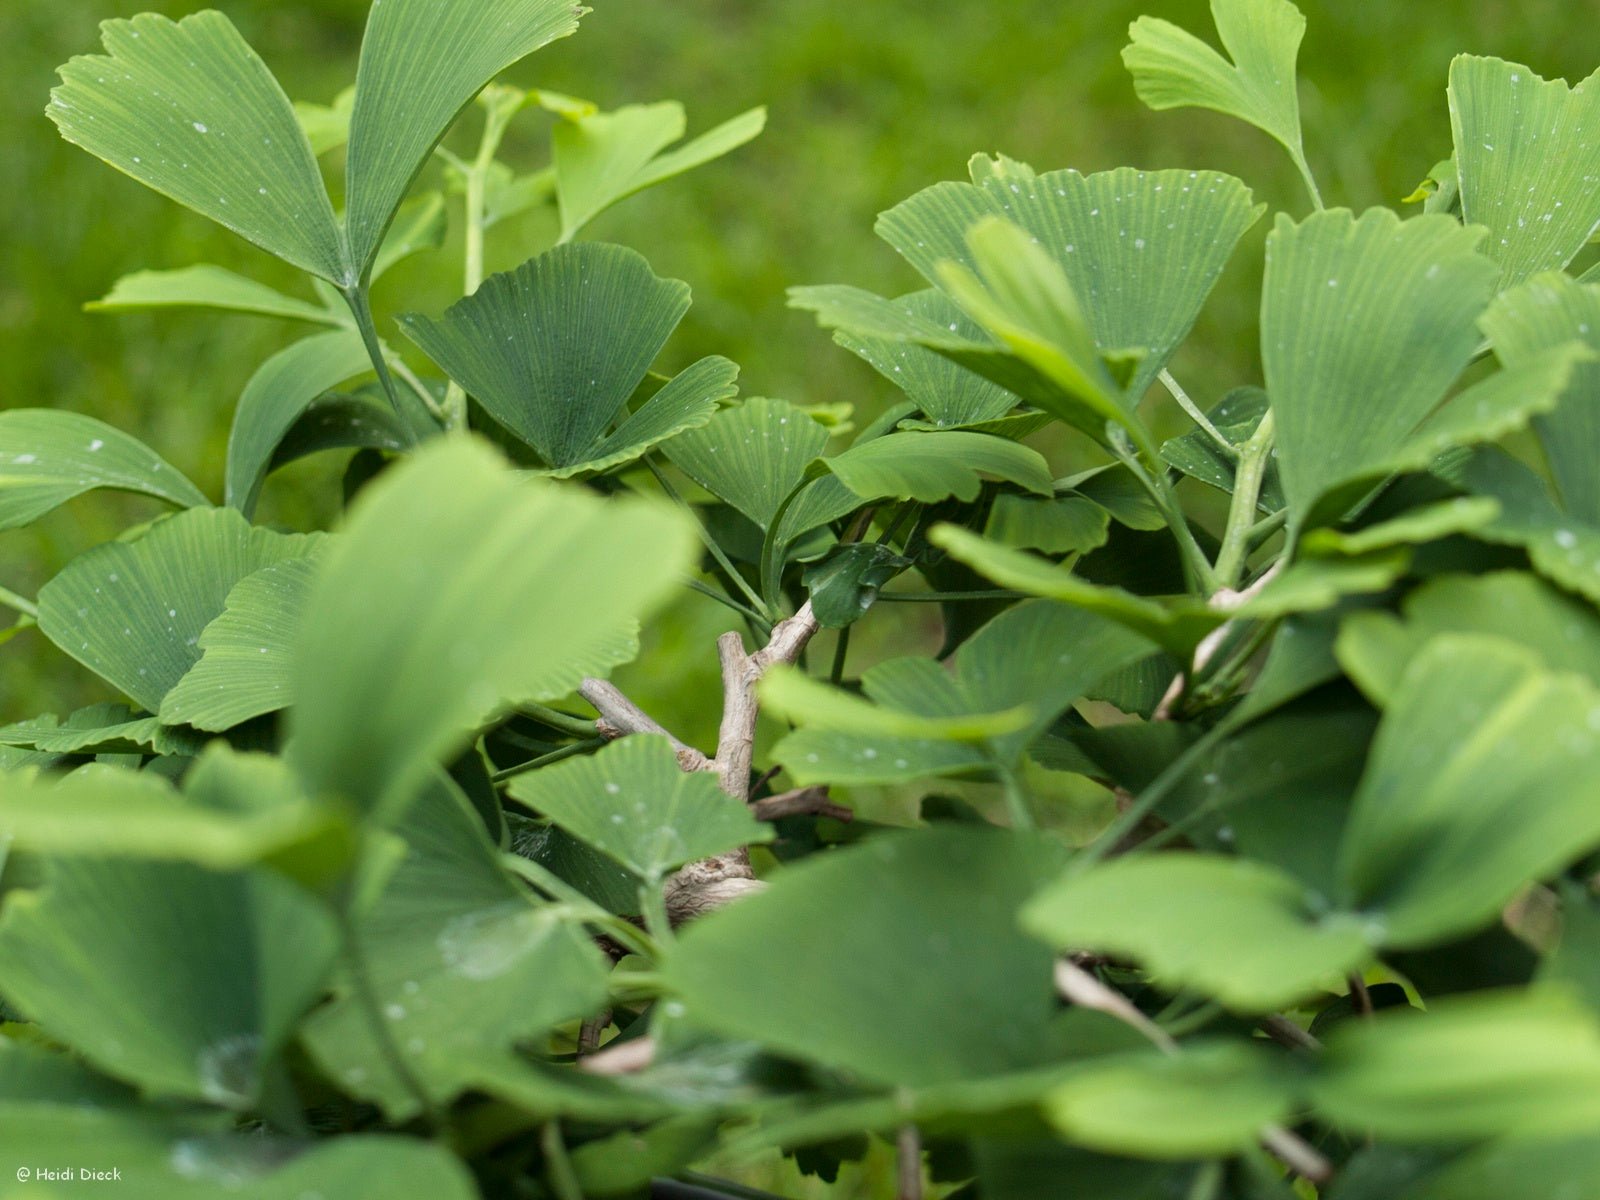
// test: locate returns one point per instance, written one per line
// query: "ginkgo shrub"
(368, 883)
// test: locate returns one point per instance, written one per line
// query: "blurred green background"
(869, 102)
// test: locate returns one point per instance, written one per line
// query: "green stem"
(1304, 168)
(707, 540)
(744, 610)
(557, 1166)
(415, 415)
(1263, 529)
(572, 751)
(841, 651)
(1145, 803)
(1197, 569)
(20, 603)
(367, 1000)
(653, 907)
(567, 723)
(1016, 802)
(1198, 417)
(1253, 459)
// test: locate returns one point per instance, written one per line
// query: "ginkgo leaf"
(946, 392)
(51, 457)
(1444, 828)
(206, 286)
(601, 158)
(1239, 930)
(752, 454)
(632, 801)
(422, 62)
(1547, 311)
(1141, 250)
(554, 349)
(132, 612)
(1365, 322)
(934, 466)
(451, 934)
(245, 662)
(278, 393)
(188, 109)
(1176, 625)
(1059, 525)
(420, 224)
(1528, 154)
(423, 665)
(327, 126)
(895, 906)
(101, 729)
(793, 694)
(184, 981)
(1172, 68)
(687, 401)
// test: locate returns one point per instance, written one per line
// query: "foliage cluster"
(352, 896)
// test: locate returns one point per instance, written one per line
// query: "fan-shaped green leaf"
(205, 286)
(543, 587)
(101, 729)
(277, 394)
(1365, 322)
(181, 980)
(1235, 929)
(1511, 1062)
(50, 457)
(1480, 780)
(1141, 249)
(1197, 454)
(555, 348)
(1375, 648)
(632, 801)
(1528, 153)
(947, 393)
(188, 109)
(132, 612)
(896, 908)
(1548, 311)
(752, 455)
(1210, 1099)
(687, 401)
(601, 158)
(1172, 68)
(935, 466)
(463, 963)
(422, 62)
(1060, 525)
(246, 652)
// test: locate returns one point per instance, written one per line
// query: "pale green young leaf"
(554, 349)
(246, 652)
(1365, 322)
(685, 402)
(132, 612)
(206, 286)
(898, 909)
(1511, 1062)
(1141, 250)
(752, 454)
(184, 981)
(1211, 1099)
(935, 466)
(50, 457)
(419, 225)
(632, 801)
(1238, 930)
(327, 126)
(1548, 311)
(278, 393)
(1376, 647)
(188, 108)
(464, 963)
(601, 158)
(422, 62)
(1172, 68)
(544, 585)
(793, 694)
(1528, 153)
(1176, 625)
(1479, 782)
(1414, 527)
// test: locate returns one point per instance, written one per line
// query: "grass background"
(868, 102)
